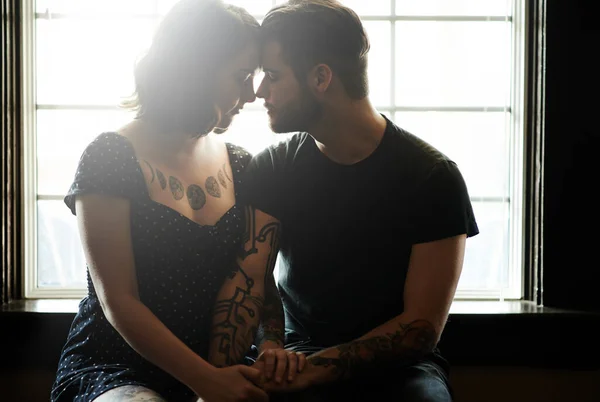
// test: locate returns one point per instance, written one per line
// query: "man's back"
(347, 230)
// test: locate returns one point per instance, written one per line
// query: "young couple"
(181, 231)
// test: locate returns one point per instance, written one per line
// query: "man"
(373, 222)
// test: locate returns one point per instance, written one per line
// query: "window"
(450, 71)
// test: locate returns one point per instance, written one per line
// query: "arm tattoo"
(221, 178)
(273, 322)
(408, 344)
(161, 179)
(240, 305)
(151, 170)
(236, 331)
(269, 232)
(133, 392)
(212, 187)
(176, 188)
(196, 196)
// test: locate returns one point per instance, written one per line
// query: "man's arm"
(241, 300)
(433, 274)
(272, 328)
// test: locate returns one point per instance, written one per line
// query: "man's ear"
(319, 78)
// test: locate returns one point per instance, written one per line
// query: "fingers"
(292, 359)
(301, 361)
(279, 363)
(251, 374)
(282, 364)
(269, 356)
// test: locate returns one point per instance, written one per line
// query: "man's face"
(290, 104)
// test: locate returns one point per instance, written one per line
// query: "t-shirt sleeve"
(443, 206)
(108, 166)
(262, 186)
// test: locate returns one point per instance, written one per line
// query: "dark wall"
(572, 142)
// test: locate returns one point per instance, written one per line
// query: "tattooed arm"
(241, 299)
(272, 328)
(433, 274)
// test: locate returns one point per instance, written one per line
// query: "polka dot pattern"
(180, 267)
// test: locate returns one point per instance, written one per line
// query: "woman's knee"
(130, 393)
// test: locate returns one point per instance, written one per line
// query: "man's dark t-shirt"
(347, 230)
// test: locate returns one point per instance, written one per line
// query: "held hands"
(234, 383)
(285, 371)
(279, 362)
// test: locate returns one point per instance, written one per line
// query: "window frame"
(517, 225)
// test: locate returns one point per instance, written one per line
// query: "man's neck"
(349, 133)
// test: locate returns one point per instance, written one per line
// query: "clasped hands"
(282, 370)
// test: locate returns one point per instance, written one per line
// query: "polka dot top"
(180, 267)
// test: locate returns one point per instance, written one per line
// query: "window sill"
(478, 333)
(459, 307)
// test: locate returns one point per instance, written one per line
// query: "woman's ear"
(319, 78)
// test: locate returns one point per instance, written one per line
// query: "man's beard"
(299, 115)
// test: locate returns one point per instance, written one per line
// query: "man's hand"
(303, 380)
(278, 362)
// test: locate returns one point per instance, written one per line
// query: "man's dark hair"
(311, 32)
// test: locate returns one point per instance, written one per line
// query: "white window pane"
(486, 255)
(477, 142)
(363, 7)
(380, 63)
(452, 63)
(81, 61)
(62, 135)
(454, 7)
(96, 7)
(250, 129)
(60, 259)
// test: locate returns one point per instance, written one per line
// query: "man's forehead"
(271, 53)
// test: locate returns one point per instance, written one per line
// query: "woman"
(156, 208)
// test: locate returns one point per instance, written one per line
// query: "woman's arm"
(105, 232)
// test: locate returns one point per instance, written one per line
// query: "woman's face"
(235, 84)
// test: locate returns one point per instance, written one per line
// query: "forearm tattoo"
(273, 322)
(240, 313)
(235, 320)
(406, 345)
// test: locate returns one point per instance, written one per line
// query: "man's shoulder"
(411, 153)
(283, 151)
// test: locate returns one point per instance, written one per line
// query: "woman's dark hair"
(174, 80)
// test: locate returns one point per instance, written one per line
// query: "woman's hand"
(235, 383)
(279, 362)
